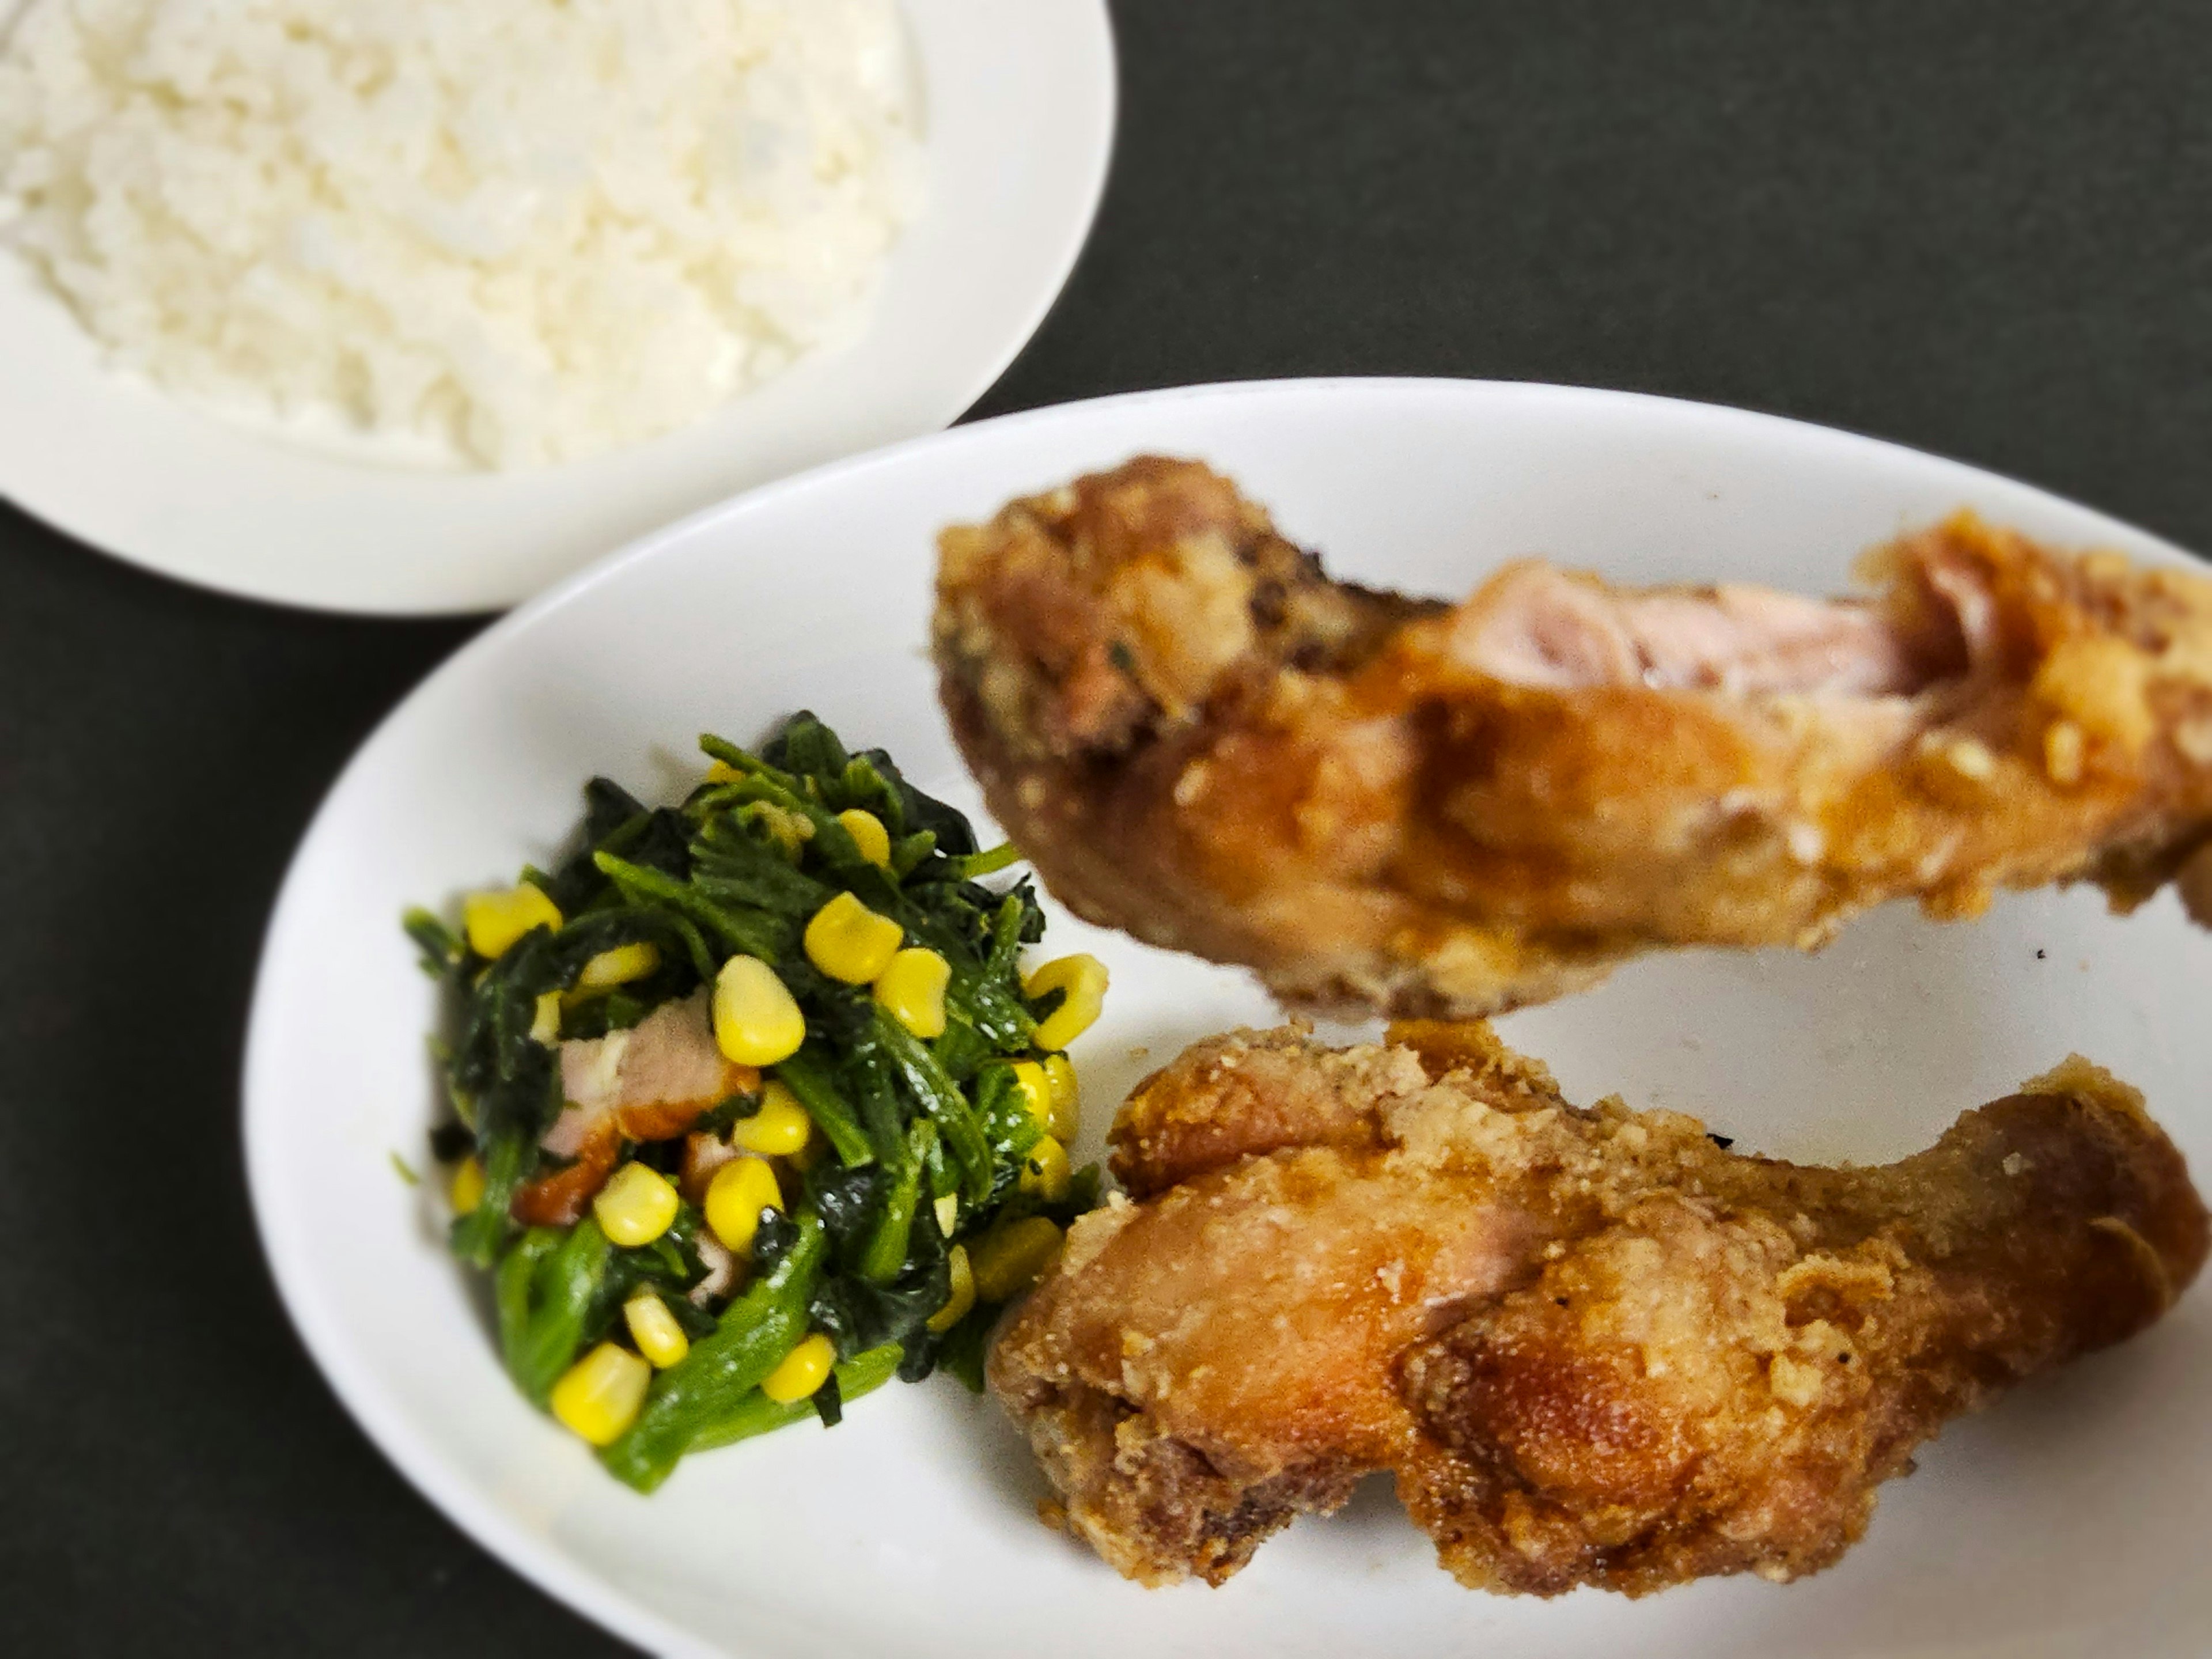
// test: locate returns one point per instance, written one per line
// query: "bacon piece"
(649, 1083)
(559, 1199)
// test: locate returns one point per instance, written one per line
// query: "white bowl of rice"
(368, 305)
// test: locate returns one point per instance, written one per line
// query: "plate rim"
(648, 544)
(538, 1561)
(1092, 19)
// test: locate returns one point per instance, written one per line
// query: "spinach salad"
(754, 1106)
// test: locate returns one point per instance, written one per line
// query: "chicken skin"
(1593, 1347)
(1387, 802)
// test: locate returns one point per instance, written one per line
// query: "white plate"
(1019, 105)
(2071, 1521)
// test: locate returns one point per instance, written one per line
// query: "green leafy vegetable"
(810, 1075)
(698, 1393)
(552, 1299)
(756, 1414)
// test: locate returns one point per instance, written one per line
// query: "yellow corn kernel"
(1035, 1091)
(847, 941)
(598, 1396)
(869, 835)
(801, 1371)
(722, 772)
(740, 1190)
(467, 1187)
(913, 989)
(1045, 1170)
(1066, 1101)
(790, 831)
(1008, 1259)
(546, 1019)
(757, 1021)
(948, 1213)
(1084, 979)
(779, 1129)
(495, 921)
(962, 1296)
(636, 1206)
(654, 1329)
(619, 966)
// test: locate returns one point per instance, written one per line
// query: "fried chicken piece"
(1385, 802)
(1594, 1347)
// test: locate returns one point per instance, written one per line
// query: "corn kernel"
(1035, 1091)
(1045, 1170)
(1084, 979)
(848, 941)
(740, 1190)
(801, 1371)
(598, 1396)
(722, 772)
(1008, 1259)
(546, 1019)
(636, 1206)
(654, 1329)
(869, 835)
(619, 966)
(779, 1129)
(467, 1189)
(756, 1020)
(495, 921)
(948, 1213)
(913, 989)
(789, 831)
(1066, 1101)
(963, 1296)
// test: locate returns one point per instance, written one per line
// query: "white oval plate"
(2069, 1520)
(1019, 109)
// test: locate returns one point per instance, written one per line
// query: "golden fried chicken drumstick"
(1594, 1347)
(1386, 802)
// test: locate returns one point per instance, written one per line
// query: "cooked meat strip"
(651, 1082)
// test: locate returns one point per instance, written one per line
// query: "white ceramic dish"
(2068, 1522)
(1018, 99)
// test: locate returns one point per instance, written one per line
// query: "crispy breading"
(1594, 1347)
(1384, 802)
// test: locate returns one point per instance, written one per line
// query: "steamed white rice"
(531, 228)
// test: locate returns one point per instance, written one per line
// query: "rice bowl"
(517, 232)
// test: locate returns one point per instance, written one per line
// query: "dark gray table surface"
(1984, 228)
